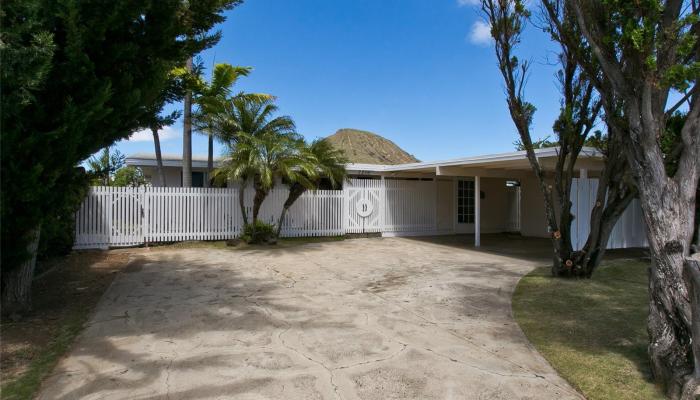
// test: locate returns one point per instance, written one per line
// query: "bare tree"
(616, 190)
(580, 108)
(646, 51)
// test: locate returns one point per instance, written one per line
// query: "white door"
(364, 205)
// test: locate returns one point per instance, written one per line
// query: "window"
(465, 202)
(197, 179)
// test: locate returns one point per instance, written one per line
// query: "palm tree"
(155, 120)
(261, 148)
(325, 162)
(209, 99)
(187, 132)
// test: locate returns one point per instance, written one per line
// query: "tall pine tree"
(78, 75)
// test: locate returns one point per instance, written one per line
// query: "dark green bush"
(258, 232)
(58, 227)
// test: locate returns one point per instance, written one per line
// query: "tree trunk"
(260, 195)
(667, 202)
(210, 159)
(696, 235)
(669, 213)
(187, 135)
(159, 157)
(241, 201)
(295, 191)
(281, 220)
(613, 196)
(669, 309)
(17, 283)
(691, 274)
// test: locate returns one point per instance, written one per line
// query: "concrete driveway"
(391, 318)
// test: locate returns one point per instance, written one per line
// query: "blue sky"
(419, 72)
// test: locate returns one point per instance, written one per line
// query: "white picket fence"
(118, 216)
(629, 231)
(410, 206)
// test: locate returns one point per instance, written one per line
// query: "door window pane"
(465, 202)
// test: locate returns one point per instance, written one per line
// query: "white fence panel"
(175, 214)
(119, 216)
(92, 220)
(410, 206)
(317, 213)
(629, 231)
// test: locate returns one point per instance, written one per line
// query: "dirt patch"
(63, 296)
(387, 282)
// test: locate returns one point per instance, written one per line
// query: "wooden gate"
(364, 204)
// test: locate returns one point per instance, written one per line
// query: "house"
(172, 166)
(479, 194)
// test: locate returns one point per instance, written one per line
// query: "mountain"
(364, 147)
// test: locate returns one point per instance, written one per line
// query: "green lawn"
(63, 300)
(593, 331)
(44, 360)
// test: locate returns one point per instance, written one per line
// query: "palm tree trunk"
(241, 202)
(260, 195)
(281, 220)
(17, 283)
(210, 159)
(159, 157)
(257, 203)
(295, 191)
(187, 135)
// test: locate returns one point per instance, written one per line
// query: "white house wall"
(446, 200)
(173, 176)
(533, 222)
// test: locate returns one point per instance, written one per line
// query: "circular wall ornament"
(364, 208)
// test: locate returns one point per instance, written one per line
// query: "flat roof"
(590, 158)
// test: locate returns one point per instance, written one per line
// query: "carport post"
(477, 211)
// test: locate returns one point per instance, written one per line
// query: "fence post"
(143, 193)
(382, 206)
(344, 208)
(110, 208)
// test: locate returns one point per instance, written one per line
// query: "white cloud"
(466, 3)
(480, 33)
(145, 135)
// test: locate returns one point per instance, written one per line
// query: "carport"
(439, 198)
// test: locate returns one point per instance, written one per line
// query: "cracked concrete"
(390, 318)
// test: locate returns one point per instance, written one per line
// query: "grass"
(593, 332)
(43, 362)
(63, 300)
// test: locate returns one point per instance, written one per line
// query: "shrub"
(258, 232)
(129, 176)
(58, 229)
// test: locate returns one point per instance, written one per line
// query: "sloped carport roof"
(512, 164)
